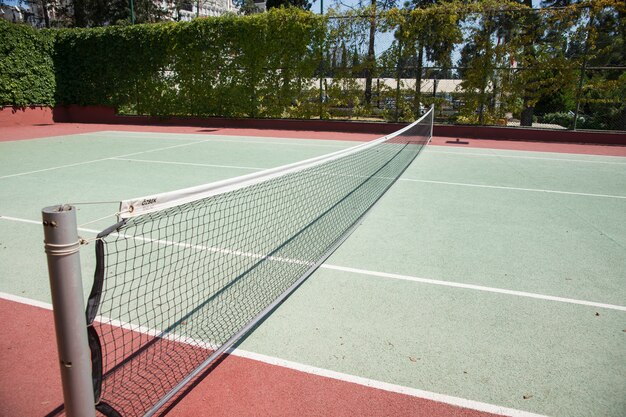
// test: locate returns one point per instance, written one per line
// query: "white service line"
(308, 369)
(102, 159)
(363, 271)
(460, 184)
(496, 155)
(152, 161)
(256, 140)
(539, 190)
(498, 187)
(475, 287)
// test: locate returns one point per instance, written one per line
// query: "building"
(32, 12)
(11, 13)
(200, 8)
(26, 12)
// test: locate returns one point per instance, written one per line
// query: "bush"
(26, 67)
(229, 66)
(560, 118)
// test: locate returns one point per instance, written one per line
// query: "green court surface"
(491, 275)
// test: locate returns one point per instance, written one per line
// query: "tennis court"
(485, 280)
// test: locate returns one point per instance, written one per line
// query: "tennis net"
(183, 275)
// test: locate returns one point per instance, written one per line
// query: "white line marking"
(361, 271)
(16, 219)
(24, 300)
(308, 369)
(256, 140)
(102, 159)
(186, 163)
(386, 386)
(495, 155)
(536, 190)
(475, 287)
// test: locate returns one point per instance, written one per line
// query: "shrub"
(26, 68)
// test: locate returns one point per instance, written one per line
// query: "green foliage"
(566, 119)
(559, 118)
(514, 61)
(302, 4)
(26, 71)
(227, 66)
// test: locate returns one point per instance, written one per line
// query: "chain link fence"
(370, 70)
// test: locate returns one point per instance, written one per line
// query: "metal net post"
(62, 250)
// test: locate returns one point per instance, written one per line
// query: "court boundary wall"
(43, 115)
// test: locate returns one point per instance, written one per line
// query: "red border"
(34, 115)
(30, 383)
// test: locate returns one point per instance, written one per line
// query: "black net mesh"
(174, 285)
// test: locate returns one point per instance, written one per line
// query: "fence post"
(62, 249)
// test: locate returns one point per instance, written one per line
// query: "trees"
(248, 7)
(301, 4)
(433, 31)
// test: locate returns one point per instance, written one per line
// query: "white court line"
(17, 219)
(103, 159)
(312, 370)
(536, 190)
(186, 163)
(430, 281)
(475, 287)
(495, 155)
(257, 140)
(123, 158)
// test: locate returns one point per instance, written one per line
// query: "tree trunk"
(621, 125)
(526, 118)
(370, 56)
(484, 99)
(398, 75)
(418, 79)
(80, 16)
(44, 11)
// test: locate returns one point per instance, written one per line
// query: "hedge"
(26, 67)
(228, 66)
(256, 66)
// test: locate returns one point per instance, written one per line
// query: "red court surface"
(30, 384)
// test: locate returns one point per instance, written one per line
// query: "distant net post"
(62, 250)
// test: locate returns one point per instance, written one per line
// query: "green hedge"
(225, 66)
(256, 66)
(26, 68)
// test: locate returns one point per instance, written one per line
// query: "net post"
(62, 250)
(432, 122)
